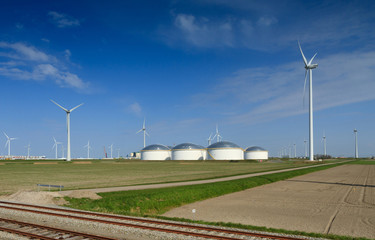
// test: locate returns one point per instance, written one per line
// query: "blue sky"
(185, 66)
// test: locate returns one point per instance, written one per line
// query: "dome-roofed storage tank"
(256, 153)
(224, 151)
(156, 152)
(188, 151)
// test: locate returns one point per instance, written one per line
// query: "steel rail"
(227, 231)
(52, 229)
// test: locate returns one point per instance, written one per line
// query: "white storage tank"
(188, 151)
(156, 152)
(256, 153)
(224, 151)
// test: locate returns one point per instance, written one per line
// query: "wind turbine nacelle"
(312, 66)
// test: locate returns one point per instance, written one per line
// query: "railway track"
(35, 231)
(142, 223)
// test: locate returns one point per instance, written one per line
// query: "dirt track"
(339, 200)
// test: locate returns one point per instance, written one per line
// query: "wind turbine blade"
(6, 144)
(139, 131)
(146, 133)
(303, 56)
(6, 135)
(54, 139)
(71, 110)
(144, 123)
(66, 110)
(304, 89)
(12, 138)
(312, 58)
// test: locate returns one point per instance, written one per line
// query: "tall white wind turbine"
(144, 132)
(9, 139)
(88, 149)
(55, 146)
(309, 67)
(68, 158)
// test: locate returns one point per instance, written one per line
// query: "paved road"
(163, 185)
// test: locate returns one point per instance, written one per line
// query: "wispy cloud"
(135, 108)
(25, 62)
(63, 20)
(265, 94)
(264, 26)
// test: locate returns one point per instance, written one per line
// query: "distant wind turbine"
(209, 139)
(9, 139)
(118, 152)
(144, 132)
(309, 66)
(217, 135)
(68, 158)
(111, 147)
(88, 149)
(305, 148)
(55, 146)
(28, 151)
(324, 140)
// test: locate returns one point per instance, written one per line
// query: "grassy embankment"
(154, 202)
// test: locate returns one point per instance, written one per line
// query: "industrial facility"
(255, 153)
(188, 151)
(156, 152)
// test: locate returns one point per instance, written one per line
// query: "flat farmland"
(339, 200)
(24, 175)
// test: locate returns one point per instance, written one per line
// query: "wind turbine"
(144, 132)
(305, 148)
(309, 67)
(217, 135)
(209, 139)
(111, 149)
(68, 158)
(8, 142)
(62, 151)
(118, 152)
(356, 143)
(28, 151)
(55, 146)
(324, 140)
(88, 149)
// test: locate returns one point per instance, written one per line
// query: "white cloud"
(203, 32)
(265, 94)
(63, 20)
(266, 21)
(28, 63)
(136, 108)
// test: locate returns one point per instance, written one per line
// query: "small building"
(224, 151)
(188, 151)
(156, 152)
(256, 153)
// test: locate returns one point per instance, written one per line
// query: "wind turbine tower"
(68, 158)
(28, 151)
(209, 139)
(144, 133)
(356, 143)
(88, 149)
(9, 139)
(309, 67)
(324, 144)
(55, 146)
(111, 147)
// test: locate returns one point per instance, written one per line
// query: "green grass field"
(24, 175)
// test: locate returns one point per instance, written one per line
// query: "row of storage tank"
(188, 151)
